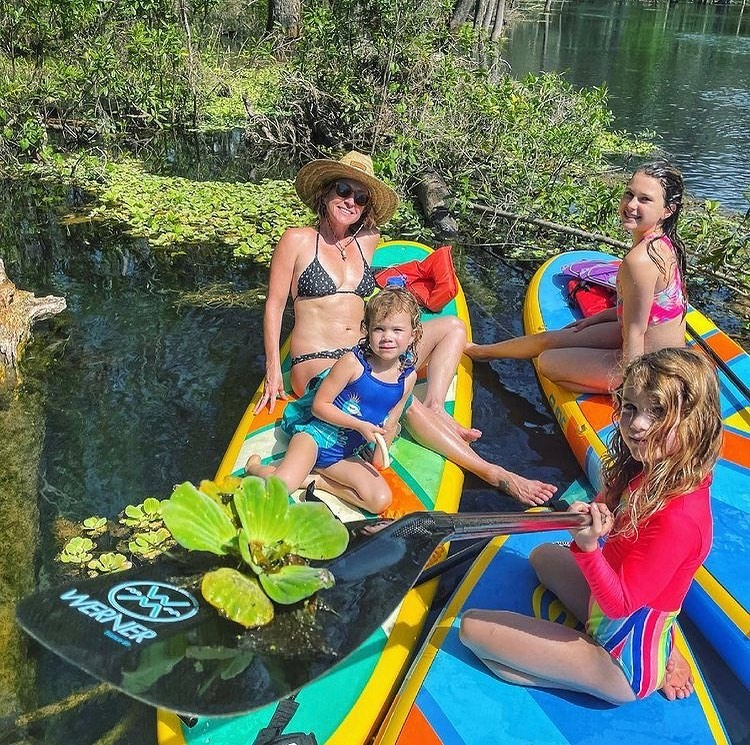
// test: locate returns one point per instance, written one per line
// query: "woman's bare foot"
(526, 491)
(678, 679)
(467, 434)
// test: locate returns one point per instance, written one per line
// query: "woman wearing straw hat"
(326, 270)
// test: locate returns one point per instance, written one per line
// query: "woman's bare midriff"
(329, 322)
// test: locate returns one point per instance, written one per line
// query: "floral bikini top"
(315, 281)
(669, 303)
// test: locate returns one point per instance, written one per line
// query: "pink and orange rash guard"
(638, 584)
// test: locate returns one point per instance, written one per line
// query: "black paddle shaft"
(148, 631)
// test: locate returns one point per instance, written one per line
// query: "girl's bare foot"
(678, 679)
(252, 465)
(526, 491)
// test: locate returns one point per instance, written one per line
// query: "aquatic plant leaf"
(295, 582)
(315, 533)
(263, 509)
(244, 545)
(237, 597)
(76, 551)
(197, 522)
(109, 562)
(151, 507)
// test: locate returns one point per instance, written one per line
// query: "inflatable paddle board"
(450, 698)
(719, 599)
(345, 705)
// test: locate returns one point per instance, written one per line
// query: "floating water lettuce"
(253, 520)
(77, 551)
(109, 562)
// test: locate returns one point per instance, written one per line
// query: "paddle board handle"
(486, 525)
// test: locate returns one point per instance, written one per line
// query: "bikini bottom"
(324, 354)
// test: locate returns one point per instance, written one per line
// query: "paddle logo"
(132, 602)
(153, 601)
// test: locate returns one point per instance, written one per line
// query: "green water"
(679, 69)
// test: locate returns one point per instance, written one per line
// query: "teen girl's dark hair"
(672, 186)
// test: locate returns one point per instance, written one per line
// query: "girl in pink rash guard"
(627, 573)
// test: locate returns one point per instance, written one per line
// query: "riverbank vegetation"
(423, 91)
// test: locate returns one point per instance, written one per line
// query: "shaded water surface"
(679, 69)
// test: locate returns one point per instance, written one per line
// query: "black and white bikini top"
(316, 282)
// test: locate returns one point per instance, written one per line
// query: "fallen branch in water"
(497, 212)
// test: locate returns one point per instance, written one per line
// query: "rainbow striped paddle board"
(344, 706)
(719, 599)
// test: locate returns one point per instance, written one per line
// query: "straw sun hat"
(355, 166)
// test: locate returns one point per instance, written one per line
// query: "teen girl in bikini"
(361, 396)
(654, 516)
(326, 270)
(588, 355)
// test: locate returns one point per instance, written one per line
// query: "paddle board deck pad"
(719, 598)
(450, 698)
(345, 705)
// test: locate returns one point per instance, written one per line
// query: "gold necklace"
(337, 243)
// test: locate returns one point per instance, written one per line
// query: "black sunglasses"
(344, 191)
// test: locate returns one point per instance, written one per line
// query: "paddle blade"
(149, 633)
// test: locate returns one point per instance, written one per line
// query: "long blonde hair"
(683, 385)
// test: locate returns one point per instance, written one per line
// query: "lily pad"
(295, 582)
(237, 597)
(197, 522)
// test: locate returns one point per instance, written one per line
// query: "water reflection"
(681, 70)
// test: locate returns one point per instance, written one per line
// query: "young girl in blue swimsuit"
(588, 356)
(627, 574)
(350, 406)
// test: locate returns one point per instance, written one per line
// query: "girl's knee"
(379, 501)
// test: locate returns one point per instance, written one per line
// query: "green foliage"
(109, 562)
(150, 544)
(95, 526)
(256, 523)
(244, 218)
(144, 516)
(237, 597)
(77, 551)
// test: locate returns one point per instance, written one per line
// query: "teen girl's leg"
(599, 336)
(583, 370)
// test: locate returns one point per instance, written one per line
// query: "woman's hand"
(602, 522)
(273, 388)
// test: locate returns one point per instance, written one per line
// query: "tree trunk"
(461, 13)
(19, 309)
(286, 15)
(431, 191)
(499, 19)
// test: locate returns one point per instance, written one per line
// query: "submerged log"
(19, 310)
